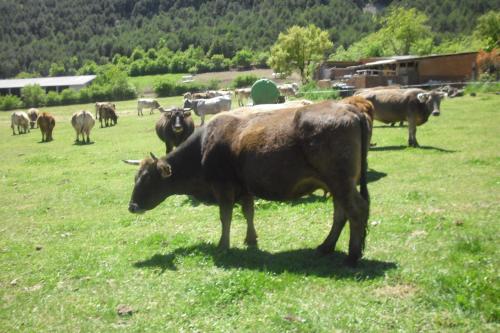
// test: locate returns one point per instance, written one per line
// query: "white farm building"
(57, 83)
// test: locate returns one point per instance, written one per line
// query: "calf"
(174, 127)
(82, 122)
(108, 114)
(33, 115)
(99, 105)
(20, 120)
(289, 89)
(203, 107)
(46, 123)
(242, 95)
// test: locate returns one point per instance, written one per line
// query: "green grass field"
(71, 253)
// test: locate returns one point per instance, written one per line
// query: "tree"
(403, 29)
(243, 58)
(299, 49)
(488, 29)
(57, 69)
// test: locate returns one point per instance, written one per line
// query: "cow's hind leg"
(339, 221)
(248, 211)
(357, 210)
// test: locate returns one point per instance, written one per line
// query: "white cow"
(208, 106)
(289, 89)
(147, 103)
(21, 120)
(82, 122)
(242, 95)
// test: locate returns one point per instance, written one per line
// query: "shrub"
(10, 102)
(166, 88)
(69, 96)
(33, 96)
(244, 81)
(53, 98)
(311, 92)
(243, 58)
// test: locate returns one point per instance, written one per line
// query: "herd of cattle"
(276, 152)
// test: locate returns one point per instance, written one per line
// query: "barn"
(409, 70)
(57, 83)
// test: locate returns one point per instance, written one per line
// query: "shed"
(57, 83)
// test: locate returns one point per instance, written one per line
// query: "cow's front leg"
(225, 197)
(412, 132)
(248, 211)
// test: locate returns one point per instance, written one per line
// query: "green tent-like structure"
(264, 91)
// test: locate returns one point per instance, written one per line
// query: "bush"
(243, 58)
(166, 88)
(53, 98)
(483, 87)
(33, 96)
(10, 102)
(244, 81)
(311, 92)
(69, 96)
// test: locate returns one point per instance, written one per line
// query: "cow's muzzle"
(178, 129)
(436, 113)
(134, 208)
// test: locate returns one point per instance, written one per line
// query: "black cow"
(276, 155)
(174, 127)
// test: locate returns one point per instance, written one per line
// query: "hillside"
(34, 34)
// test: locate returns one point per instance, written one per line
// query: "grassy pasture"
(71, 253)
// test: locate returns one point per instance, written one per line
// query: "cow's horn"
(133, 162)
(153, 156)
(422, 97)
(187, 109)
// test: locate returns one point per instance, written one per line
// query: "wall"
(447, 68)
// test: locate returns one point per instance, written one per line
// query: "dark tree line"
(36, 34)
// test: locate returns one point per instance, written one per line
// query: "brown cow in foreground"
(33, 115)
(82, 122)
(277, 155)
(46, 123)
(412, 105)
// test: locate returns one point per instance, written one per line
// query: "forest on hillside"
(36, 34)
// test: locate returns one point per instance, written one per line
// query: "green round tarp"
(264, 91)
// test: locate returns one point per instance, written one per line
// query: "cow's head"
(432, 101)
(114, 118)
(191, 104)
(176, 118)
(151, 184)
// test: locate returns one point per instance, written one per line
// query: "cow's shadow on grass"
(373, 176)
(401, 147)
(81, 143)
(298, 261)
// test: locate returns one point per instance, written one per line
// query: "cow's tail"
(363, 180)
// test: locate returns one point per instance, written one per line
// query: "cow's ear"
(187, 112)
(164, 169)
(423, 97)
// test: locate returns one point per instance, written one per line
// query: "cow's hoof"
(351, 261)
(324, 249)
(252, 242)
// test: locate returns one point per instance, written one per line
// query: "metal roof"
(56, 81)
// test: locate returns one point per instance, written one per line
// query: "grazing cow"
(174, 127)
(108, 114)
(289, 89)
(147, 103)
(33, 115)
(277, 155)
(203, 107)
(242, 95)
(46, 123)
(98, 106)
(411, 105)
(20, 120)
(82, 122)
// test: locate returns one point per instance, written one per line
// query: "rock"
(124, 310)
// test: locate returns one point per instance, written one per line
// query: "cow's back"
(391, 105)
(283, 154)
